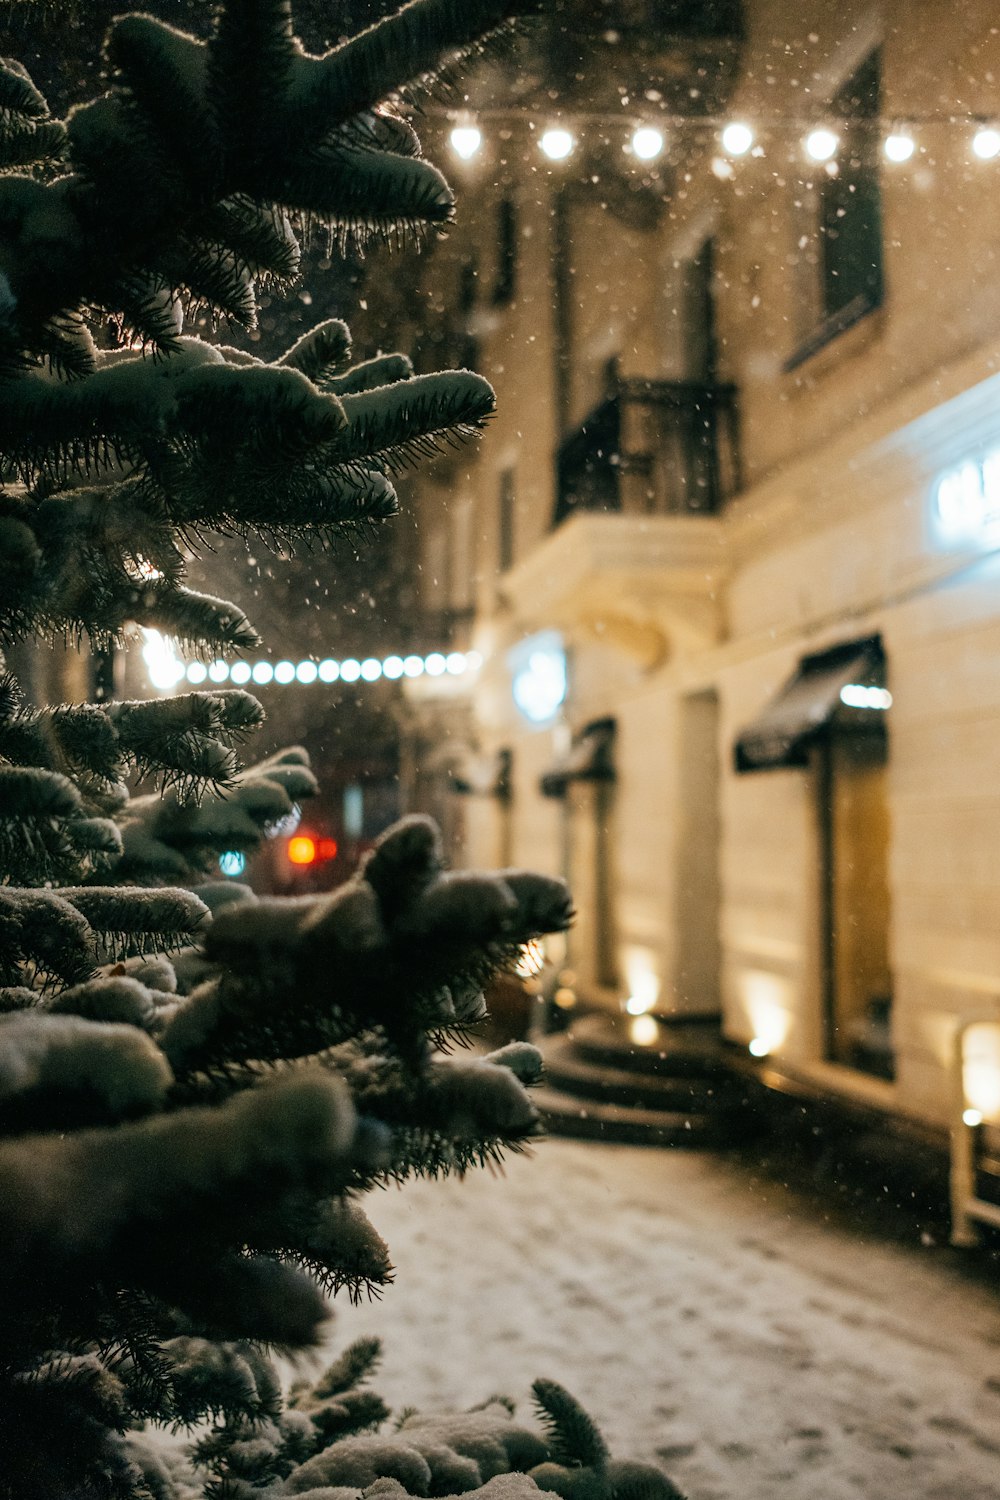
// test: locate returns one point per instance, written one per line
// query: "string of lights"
(647, 141)
(166, 670)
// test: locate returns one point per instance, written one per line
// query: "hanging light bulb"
(557, 143)
(466, 140)
(647, 142)
(821, 144)
(737, 138)
(986, 142)
(899, 145)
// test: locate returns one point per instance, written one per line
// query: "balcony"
(652, 448)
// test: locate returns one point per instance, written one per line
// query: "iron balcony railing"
(653, 447)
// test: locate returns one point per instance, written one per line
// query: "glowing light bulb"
(196, 672)
(466, 140)
(899, 146)
(392, 667)
(821, 144)
(737, 138)
(262, 672)
(284, 672)
(371, 669)
(413, 666)
(986, 143)
(972, 1117)
(232, 863)
(219, 671)
(557, 143)
(306, 671)
(759, 1047)
(239, 672)
(456, 663)
(647, 142)
(350, 670)
(329, 670)
(435, 664)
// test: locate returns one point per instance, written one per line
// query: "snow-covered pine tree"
(192, 1101)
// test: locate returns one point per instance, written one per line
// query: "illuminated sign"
(967, 501)
(538, 671)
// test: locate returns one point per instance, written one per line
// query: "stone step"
(565, 1114)
(676, 1047)
(569, 1071)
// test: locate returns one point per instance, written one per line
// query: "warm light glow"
(371, 669)
(350, 670)
(981, 1070)
(644, 1031)
(392, 667)
(986, 143)
(647, 142)
(531, 960)
(466, 141)
(564, 997)
(855, 695)
(239, 672)
(306, 671)
(232, 863)
(821, 144)
(329, 670)
(737, 138)
(262, 672)
(899, 146)
(557, 143)
(284, 672)
(642, 979)
(765, 1001)
(972, 1117)
(163, 665)
(301, 850)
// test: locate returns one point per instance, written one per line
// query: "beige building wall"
(833, 538)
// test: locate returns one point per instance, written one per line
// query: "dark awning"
(589, 758)
(483, 775)
(783, 733)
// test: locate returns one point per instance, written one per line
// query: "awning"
(483, 775)
(590, 758)
(784, 732)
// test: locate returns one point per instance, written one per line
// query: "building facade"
(729, 552)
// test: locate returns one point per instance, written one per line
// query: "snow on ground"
(724, 1327)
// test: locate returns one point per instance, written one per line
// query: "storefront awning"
(590, 758)
(483, 775)
(783, 733)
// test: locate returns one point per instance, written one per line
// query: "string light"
(647, 143)
(166, 670)
(986, 143)
(737, 138)
(821, 144)
(899, 146)
(557, 143)
(466, 141)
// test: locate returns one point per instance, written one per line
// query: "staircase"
(671, 1090)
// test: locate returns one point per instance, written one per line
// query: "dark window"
(506, 520)
(850, 202)
(506, 264)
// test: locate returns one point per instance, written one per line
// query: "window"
(842, 274)
(505, 280)
(505, 522)
(850, 210)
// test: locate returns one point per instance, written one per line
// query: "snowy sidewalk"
(717, 1327)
